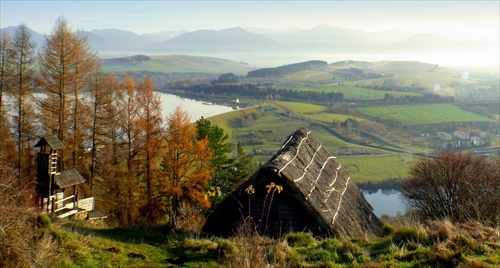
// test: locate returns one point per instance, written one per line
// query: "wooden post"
(75, 198)
(53, 206)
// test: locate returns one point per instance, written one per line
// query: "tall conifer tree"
(23, 84)
(151, 133)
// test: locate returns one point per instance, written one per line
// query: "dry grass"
(24, 239)
(251, 247)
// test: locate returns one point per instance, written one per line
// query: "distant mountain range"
(247, 44)
(320, 39)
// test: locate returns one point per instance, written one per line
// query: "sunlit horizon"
(477, 21)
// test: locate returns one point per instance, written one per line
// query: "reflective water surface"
(385, 201)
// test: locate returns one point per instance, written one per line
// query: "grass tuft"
(300, 240)
(408, 235)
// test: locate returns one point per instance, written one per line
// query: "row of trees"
(141, 168)
(255, 91)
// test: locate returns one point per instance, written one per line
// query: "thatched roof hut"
(315, 194)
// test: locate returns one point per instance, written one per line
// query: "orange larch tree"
(83, 62)
(126, 195)
(150, 141)
(185, 165)
(7, 143)
(22, 87)
(65, 61)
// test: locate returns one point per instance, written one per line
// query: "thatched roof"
(318, 196)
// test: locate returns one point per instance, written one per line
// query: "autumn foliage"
(185, 166)
(141, 168)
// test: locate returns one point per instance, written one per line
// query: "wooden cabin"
(315, 194)
(58, 191)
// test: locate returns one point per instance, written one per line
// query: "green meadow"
(353, 92)
(270, 130)
(269, 126)
(412, 115)
(303, 108)
(178, 64)
(266, 133)
(377, 167)
(316, 112)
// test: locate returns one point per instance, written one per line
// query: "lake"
(195, 109)
(385, 201)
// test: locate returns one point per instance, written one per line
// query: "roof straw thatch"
(318, 196)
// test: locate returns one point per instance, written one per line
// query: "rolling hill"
(176, 64)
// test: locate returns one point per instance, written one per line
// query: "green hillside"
(176, 64)
(263, 129)
(424, 114)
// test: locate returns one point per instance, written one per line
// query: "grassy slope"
(317, 112)
(273, 130)
(412, 115)
(366, 168)
(406, 245)
(179, 64)
(400, 73)
(353, 92)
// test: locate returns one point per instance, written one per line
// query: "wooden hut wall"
(289, 211)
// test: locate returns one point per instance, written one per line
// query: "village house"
(444, 136)
(476, 141)
(461, 135)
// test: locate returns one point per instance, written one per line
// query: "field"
(377, 168)
(316, 112)
(303, 108)
(353, 92)
(412, 115)
(269, 130)
(268, 127)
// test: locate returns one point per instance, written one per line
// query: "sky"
(461, 19)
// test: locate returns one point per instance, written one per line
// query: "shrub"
(455, 186)
(21, 244)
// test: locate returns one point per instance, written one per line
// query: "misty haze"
(249, 134)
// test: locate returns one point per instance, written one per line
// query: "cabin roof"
(69, 178)
(317, 182)
(52, 141)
